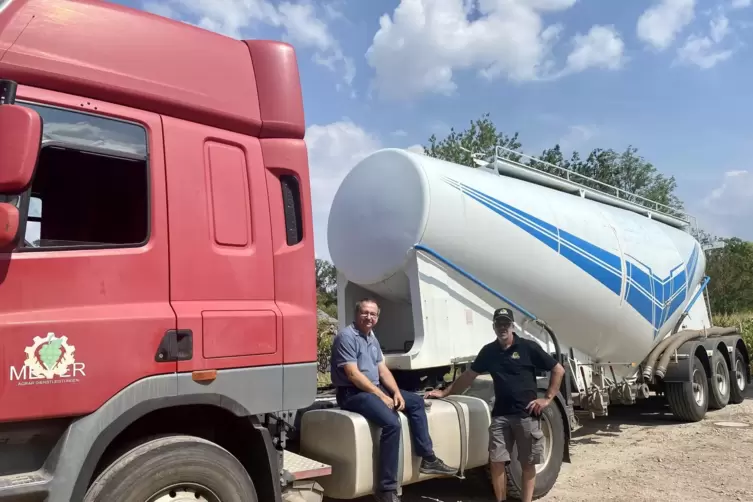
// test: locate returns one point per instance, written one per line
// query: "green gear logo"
(50, 356)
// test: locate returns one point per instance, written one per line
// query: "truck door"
(84, 299)
(221, 264)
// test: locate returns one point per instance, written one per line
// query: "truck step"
(300, 467)
(24, 484)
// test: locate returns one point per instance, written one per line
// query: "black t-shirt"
(513, 372)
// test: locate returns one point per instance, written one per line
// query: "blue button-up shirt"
(351, 346)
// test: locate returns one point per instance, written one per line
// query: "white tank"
(609, 281)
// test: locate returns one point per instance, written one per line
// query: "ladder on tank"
(541, 172)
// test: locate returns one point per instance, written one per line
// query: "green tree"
(731, 271)
(627, 171)
(479, 139)
(326, 287)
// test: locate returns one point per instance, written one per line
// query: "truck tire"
(689, 401)
(719, 388)
(174, 469)
(548, 471)
(739, 383)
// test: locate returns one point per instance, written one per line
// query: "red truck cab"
(157, 269)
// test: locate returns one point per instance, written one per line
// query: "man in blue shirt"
(366, 386)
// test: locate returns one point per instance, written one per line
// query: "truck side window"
(91, 186)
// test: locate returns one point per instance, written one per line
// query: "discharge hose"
(684, 336)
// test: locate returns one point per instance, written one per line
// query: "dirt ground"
(639, 454)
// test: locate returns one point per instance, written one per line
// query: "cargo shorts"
(505, 431)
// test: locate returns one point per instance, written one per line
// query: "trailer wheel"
(719, 382)
(740, 382)
(689, 401)
(174, 469)
(552, 425)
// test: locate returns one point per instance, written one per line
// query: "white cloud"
(576, 136)
(705, 51)
(740, 4)
(424, 42)
(601, 47)
(86, 134)
(728, 208)
(333, 151)
(661, 23)
(237, 18)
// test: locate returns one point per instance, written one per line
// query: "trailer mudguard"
(679, 368)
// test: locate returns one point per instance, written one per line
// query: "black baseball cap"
(503, 313)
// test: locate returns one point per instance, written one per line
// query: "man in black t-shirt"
(512, 363)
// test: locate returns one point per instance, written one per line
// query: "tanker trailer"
(440, 246)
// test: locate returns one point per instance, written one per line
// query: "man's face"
(367, 317)
(503, 329)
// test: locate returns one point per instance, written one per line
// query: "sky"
(666, 76)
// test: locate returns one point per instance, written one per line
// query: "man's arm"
(345, 353)
(359, 380)
(461, 383)
(546, 362)
(555, 380)
(465, 379)
(387, 379)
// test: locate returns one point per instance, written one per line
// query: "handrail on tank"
(478, 282)
(620, 194)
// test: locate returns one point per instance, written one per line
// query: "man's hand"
(436, 394)
(398, 401)
(538, 405)
(387, 400)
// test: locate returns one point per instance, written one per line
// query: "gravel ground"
(639, 454)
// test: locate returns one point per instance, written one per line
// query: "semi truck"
(157, 289)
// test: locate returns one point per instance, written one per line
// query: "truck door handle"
(176, 345)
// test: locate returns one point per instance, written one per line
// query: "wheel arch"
(134, 423)
(681, 371)
(740, 345)
(724, 350)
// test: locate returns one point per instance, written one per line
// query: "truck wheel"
(689, 401)
(174, 469)
(552, 425)
(740, 382)
(719, 388)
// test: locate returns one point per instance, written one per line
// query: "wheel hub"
(740, 375)
(185, 492)
(698, 393)
(546, 429)
(721, 380)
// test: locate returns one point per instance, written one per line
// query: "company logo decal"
(49, 360)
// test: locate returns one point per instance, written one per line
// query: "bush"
(742, 320)
(326, 331)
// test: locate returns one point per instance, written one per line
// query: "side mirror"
(20, 142)
(9, 220)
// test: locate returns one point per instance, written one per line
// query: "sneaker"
(390, 496)
(437, 467)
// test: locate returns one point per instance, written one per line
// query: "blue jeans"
(375, 411)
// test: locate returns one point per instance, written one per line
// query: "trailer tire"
(686, 403)
(186, 465)
(738, 384)
(719, 382)
(547, 473)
